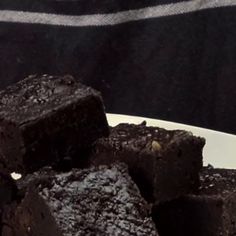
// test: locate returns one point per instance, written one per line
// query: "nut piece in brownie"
(45, 120)
(164, 164)
(96, 201)
(211, 213)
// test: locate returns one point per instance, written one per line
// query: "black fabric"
(179, 68)
(74, 7)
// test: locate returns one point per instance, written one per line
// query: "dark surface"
(211, 213)
(179, 68)
(164, 164)
(28, 216)
(97, 201)
(48, 120)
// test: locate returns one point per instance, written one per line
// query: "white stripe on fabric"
(112, 18)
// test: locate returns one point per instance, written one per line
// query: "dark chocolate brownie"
(8, 189)
(8, 192)
(211, 213)
(28, 215)
(23, 213)
(96, 201)
(164, 164)
(46, 120)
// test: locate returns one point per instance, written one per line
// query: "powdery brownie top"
(142, 138)
(218, 181)
(97, 201)
(36, 95)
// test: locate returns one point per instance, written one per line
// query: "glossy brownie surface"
(47, 119)
(36, 96)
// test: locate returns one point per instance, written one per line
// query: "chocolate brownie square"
(23, 213)
(8, 189)
(8, 193)
(46, 120)
(100, 201)
(28, 215)
(211, 213)
(164, 164)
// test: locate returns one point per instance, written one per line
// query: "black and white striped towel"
(170, 59)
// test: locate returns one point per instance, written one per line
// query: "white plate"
(220, 148)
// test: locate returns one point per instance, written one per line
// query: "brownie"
(8, 192)
(210, 213)
(23, 213)
(100, 200)
(164, 164)
(8, 189)
(28, 215)
(48, 120)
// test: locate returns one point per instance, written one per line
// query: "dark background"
(179, 68)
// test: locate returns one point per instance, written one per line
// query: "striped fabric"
(169, 59)
(114, 18)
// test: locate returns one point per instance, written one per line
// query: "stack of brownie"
(48, 127)
(81, 177)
